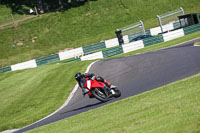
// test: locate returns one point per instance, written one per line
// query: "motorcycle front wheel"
(99, 94)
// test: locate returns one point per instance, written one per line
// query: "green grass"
(6, 15)
(91, 23)
(172, 108)
(29, 95)
(197, 43)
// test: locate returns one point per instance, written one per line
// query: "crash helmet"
(78, 76)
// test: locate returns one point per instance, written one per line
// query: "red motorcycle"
(100, 90)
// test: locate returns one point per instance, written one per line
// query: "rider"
(81, 79)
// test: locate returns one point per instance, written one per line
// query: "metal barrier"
(112, 51)
(93, 47)
(168, 15)
(5, 69)
(47, 59)
(153, 40)
(191, 29)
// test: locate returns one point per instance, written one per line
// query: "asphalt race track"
(134, 75)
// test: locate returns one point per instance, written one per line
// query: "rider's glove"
(85, 91)
(93, 78)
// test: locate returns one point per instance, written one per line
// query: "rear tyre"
(100, 95)
(117, 93)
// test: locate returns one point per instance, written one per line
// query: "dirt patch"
(20, 43)
(66, 49)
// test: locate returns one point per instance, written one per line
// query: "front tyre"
(100, 95)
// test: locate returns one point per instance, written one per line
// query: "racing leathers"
(91, 76)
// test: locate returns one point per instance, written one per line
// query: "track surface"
(134, 75)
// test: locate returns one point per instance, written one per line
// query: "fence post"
(182, 10)
(36, 11)
(143, 30)
(160, 23)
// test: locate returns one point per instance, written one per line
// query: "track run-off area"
(134, 75)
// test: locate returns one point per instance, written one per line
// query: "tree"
(74, 2)
(40, 7)
(61, 4)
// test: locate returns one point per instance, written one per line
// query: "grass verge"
(172, 108)
(29, 95)
(197, 44)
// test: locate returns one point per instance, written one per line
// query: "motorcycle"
(101, 91)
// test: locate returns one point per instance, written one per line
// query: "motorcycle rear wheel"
(117, 93)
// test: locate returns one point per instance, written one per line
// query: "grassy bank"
(87, 24)
(6, 15)
(172, 108)
(29, 95)
(197, 44)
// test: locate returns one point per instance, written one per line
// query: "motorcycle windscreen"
(97, 84)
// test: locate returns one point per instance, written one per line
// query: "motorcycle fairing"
(96, 84)
(93, 84)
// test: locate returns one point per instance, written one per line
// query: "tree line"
(42, 6)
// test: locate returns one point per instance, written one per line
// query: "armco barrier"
(71, 53)
(98, 55)
(112, 51)
(153, 40)
(24, 65)
(132, 46)
(191, 29)
(168, 27)
(132, 36)
(72, 60)
(47, 59)
(173, 34)
(147, 32)
(5, 69)
(178, 25)
(126, 39)
(157, 30)
(94, 47)
(111, 43)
